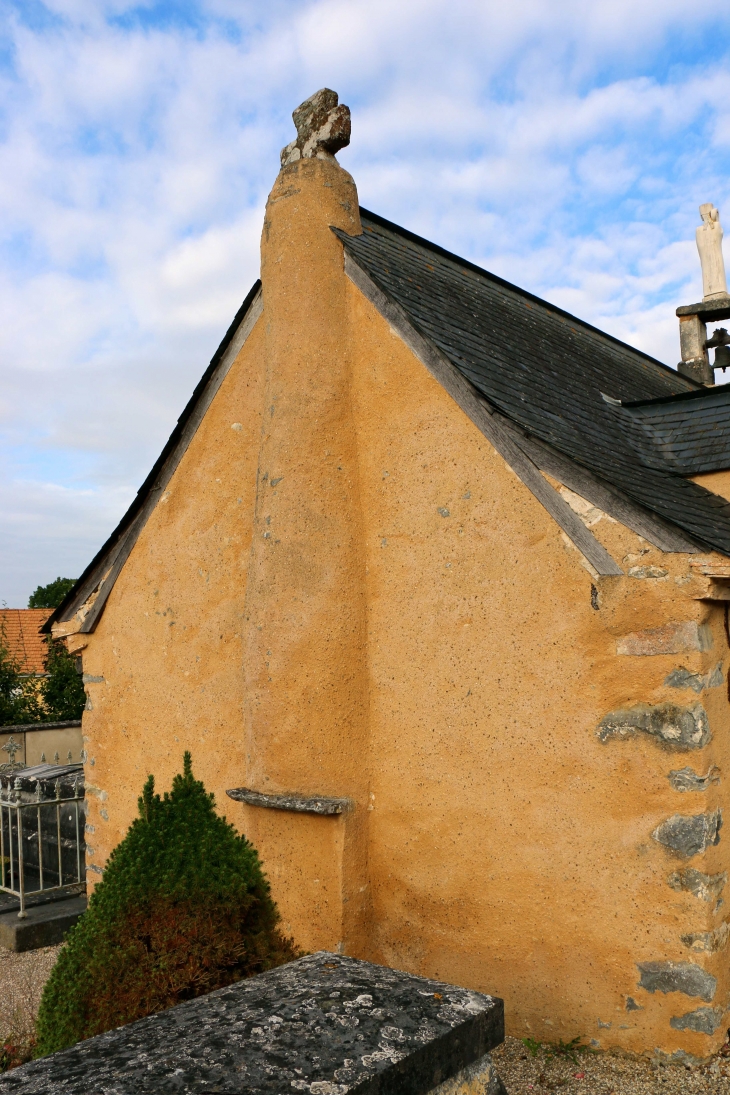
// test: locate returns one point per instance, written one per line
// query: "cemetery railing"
(42, 832)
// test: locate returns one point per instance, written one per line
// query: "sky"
(561, 144)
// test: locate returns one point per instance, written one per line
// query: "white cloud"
(563, 145)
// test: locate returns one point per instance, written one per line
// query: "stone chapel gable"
(431, 578)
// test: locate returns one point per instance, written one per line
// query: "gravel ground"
(604, 1074)
(22, 977)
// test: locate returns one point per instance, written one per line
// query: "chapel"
(432, 579)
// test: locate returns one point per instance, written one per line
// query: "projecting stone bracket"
(298, 804)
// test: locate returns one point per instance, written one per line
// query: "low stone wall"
(43, 738)
(325, 1024)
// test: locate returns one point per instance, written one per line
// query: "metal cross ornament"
(12, 747)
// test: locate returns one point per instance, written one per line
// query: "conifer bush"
(183, 909)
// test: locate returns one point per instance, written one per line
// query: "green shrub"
(183, 908)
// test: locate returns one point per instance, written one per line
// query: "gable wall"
(509, 849)
(163, 669)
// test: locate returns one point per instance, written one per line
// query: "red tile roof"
(19, 633)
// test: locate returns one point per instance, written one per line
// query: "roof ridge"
(704, 393)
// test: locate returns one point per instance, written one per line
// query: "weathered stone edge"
(296, 803)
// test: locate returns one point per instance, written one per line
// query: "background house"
(27, 649)
(20, 634)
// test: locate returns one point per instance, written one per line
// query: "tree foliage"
(183, 908)
(25, 698)
(62, 691)
(50, 596)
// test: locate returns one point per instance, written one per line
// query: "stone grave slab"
(325, 1024)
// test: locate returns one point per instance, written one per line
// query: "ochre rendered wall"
(510, 849)
(424, 640)
(163, 668)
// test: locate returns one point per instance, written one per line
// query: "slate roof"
(689, 433)
(20, 634)
(550, 373)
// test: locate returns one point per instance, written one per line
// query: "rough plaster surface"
(351, 595)
(672, 638)
(168, 649)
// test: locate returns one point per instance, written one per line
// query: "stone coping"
(298, 804)
(45, 925)
(31, 726)
(325, 1024)
(709, 310)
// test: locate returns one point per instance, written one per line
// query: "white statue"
(709, 245)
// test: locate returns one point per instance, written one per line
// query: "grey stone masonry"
(686, 779)
(707, 887)
(688, 836)
(675, 728)
(701, 1021)
(684, 977)
(326, 1024)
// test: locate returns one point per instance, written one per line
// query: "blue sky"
(563, 145)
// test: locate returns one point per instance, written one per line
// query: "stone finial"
(709, 245)
(323, 128)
